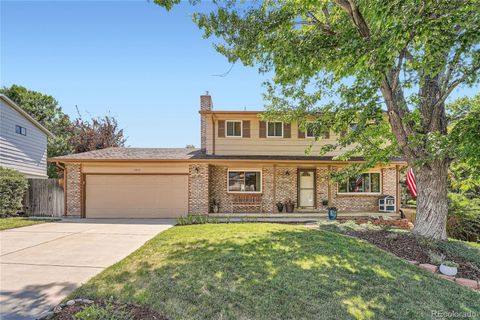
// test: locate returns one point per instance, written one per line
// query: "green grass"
(17, 222)
(469, 251)
(272, 271)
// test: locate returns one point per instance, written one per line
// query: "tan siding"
(263, 146)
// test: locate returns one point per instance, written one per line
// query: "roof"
(25, 114)
(229, 112)
(178, 154)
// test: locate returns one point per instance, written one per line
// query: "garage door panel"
(136, 196)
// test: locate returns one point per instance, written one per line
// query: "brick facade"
(359, 202)
(73, 189)
(279, 183)
(198, 189)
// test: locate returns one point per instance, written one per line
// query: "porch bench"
(247, 200)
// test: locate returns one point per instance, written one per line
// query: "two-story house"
(244, 165)
(23, 141)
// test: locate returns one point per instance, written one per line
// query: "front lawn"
(272, 271)
(17, 222)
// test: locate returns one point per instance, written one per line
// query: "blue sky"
(130, 58)
(146, 66)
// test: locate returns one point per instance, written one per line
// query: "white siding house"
(23, 141)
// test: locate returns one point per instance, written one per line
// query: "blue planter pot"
(332, 213)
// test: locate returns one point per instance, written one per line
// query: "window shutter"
(263, 129)
(221, 128)
(246, 128)
(287, 130)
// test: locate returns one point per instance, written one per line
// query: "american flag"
(411, 182)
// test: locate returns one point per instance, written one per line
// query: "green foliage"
(468, 251)
(465, 135)
(106, 312)
(463, 221)
(45, 109)
(197, 219)
(13, 186)
(18, 222)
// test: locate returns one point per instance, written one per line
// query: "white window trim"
(241, 128)
(283, 131)
(364, 193)
(244, 170)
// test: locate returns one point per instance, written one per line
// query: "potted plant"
(332, 213)
(449, 268)
(289, 206)
(215, 206)
(279, 206)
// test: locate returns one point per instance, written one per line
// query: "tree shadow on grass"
(289, 273)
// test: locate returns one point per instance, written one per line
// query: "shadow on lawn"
(283, 274)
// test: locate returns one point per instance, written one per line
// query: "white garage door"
(136, 196)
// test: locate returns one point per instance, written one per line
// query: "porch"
(304, 217)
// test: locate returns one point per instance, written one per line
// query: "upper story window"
(363, 183)
(313, 130)
(234, 128)
(20, 130)
(245, 181)
(275, 129)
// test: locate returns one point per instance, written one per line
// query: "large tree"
(362, 62)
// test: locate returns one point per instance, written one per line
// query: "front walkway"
(42, 264)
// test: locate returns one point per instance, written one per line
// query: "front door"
(306, 188)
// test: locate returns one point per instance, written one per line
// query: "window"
(275, 129)
(20, 130)
(313, 129)
(244, 181)
(234, 128)
(363, 183)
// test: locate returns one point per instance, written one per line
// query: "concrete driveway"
(41, 264)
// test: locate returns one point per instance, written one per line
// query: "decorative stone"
(446, 277)
(57, 309)
(413, 262)
(87, 301)
(46, 315)
(467, 283)
(70, 302)
(429, 267)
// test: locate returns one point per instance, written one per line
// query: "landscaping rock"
(46, 315)
(413, 262)
(87, 301)
(57, 309)
(70, 302)
(447, 277)
(429, 267)
(467, 283)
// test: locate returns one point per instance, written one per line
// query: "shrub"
(463, 220)
(13, 186)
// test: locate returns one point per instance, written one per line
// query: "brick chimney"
(205, 105)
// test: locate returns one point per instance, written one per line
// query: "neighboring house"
(244, 164)
(23, 141)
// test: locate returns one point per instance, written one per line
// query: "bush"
(197, 219)
(13, 186)
(463, 222)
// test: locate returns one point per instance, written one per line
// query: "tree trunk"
(432, 201)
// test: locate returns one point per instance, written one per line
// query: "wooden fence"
(44, 198)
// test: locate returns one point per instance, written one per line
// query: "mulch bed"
(137, 312)
(408, 247)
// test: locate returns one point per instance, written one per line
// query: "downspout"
(214, 134)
